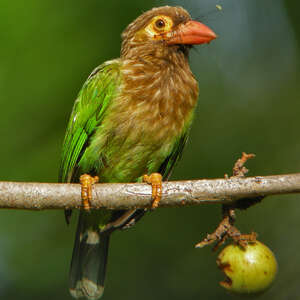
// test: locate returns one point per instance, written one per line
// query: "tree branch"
(37, 196)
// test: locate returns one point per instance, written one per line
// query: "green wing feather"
(87, 272)
(168, 165)
(93, 99)
(174, 156)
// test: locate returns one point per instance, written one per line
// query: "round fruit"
(248, 270)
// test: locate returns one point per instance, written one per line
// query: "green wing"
(168, 164)
(93, 100)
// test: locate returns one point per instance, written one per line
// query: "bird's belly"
(141, 152)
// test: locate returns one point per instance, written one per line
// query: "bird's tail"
(88, 265)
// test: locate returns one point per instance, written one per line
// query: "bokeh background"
(249, 101)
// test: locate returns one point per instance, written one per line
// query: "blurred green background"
(249, 101)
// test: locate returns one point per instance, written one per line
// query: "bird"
(129, 123)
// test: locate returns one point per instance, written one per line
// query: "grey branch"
(38, 196)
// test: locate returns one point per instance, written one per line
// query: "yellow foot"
(155, 179)
(86, 182)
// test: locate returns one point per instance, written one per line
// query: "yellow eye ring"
(159, 26)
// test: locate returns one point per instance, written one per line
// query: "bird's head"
(161, 30)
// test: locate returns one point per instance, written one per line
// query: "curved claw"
(155, 179)
(86, 182)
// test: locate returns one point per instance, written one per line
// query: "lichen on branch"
(38, 196)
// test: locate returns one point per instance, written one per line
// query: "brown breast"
(156, 97)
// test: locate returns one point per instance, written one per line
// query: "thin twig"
(37, 196)
(239, 169)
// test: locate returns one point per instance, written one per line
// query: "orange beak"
(192, 33)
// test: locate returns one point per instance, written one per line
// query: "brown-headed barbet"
(131, 118)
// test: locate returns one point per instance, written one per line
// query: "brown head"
(162, 30)
(159, 91)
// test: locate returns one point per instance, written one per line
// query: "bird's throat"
(160, 91)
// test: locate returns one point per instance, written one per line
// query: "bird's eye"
(160, 24)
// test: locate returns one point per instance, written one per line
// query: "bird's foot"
(226, 230)
(86, 182)
(155, 179)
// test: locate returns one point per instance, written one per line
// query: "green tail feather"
(88, 265)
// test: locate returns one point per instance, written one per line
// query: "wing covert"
(96, 94)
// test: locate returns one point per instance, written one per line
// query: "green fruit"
(249, 270)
